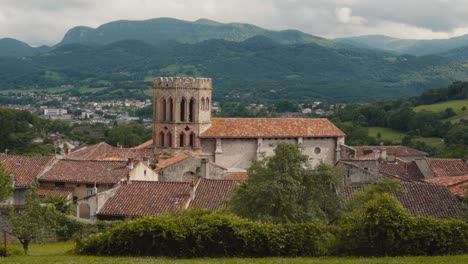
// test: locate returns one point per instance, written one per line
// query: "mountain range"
(246, 62)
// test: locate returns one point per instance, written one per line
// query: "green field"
(439, 107)
(61, 253)
(387, 134)
(456, 105)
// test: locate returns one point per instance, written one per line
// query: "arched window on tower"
(207, 104)
(182, 109)
(182, 140)
(192, 140)
(161, 139)
(203, 104)
(169, 139)
(191, 116)
(163, 112)
(171, 109)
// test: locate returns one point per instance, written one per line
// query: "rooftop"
(271, 128)
(212, 194)
(86, 171)
(423, 199)
(141, 198)
(24, 168)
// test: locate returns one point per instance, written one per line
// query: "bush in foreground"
(203, 234)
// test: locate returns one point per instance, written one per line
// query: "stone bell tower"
(182, 110)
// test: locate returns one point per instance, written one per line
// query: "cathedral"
(183, 124)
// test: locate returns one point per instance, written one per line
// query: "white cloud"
(46, 21)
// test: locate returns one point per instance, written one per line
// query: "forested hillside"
(258, 69)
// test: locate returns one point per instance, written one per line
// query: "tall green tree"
(35, 221)
(285, 188)
(6, 183)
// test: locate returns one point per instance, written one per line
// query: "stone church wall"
(324, 146)
(237, 153)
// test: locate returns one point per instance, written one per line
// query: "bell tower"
(182, 110)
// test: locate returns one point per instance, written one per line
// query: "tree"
(128, 135)
(34, 221)
(284, 188)
(6, 184)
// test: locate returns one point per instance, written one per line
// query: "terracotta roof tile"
(239, 176)
(25, 169)
(60, 191)
(139, 198)
(271, 127)
(84, 171)
(147, 144)
(399, 151)
(104, 151)
(458, 185)
(211, 194)
(402, 169)
(171, 161)
(447, 167)
(423, 199)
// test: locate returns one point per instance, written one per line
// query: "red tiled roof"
(458, 185)
(239, 176)
(140, 198)
(402, 169)
(86, 171)
(399, 151)
(25, 169)
(147, 144)
(60, 191)
(447, 167)
(104, 151)
(171, 161)
(211, 194)
(423, 199)
(271, 127)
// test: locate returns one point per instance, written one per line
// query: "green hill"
(158, 30)
(258, 69)
(14, 48)
(406, 46)
(456, 105)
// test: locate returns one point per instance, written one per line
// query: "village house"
(90, 177)
(24, 172)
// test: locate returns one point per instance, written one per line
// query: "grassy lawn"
(456, 105)
(387, 134)
(61, 253)
(439, 107)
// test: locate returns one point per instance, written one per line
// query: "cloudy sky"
(46, 21)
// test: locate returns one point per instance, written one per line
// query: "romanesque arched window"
(182, 140)
(161, 139)
(207, 108)
(191, 114)
(169, 139)
(163, 109)
(171, 109)
(192, 140)
(203, 104)
(182, 109)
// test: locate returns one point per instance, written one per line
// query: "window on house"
(182, 109)
(169, 139)
(59, 184)
(317, 150)
(161, 139)
(171, 109)
(191, 116)
(182, 140)
(89, 192)
(89, 185)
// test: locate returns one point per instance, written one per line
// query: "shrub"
(203, 234)
(383, 227)
(10, 251)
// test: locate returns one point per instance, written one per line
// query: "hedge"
(203, 234)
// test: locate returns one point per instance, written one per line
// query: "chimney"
(68, 151)
(391, 157)
(130, 163)
(192, 191)
(377, 154)
(384, 154)
(205, 168)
